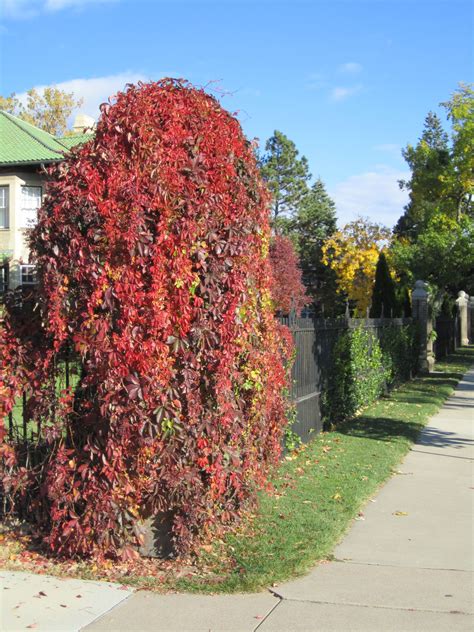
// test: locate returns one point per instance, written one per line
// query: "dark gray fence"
(447, 336)
(470, 321)
(314, 342)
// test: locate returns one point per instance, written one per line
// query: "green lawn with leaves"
(317, 492)
(320, 491)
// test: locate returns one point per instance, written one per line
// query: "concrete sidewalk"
(407, 567)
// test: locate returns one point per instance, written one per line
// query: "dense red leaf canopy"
(288, 291)
(151, 251)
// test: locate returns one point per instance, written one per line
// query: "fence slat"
(314, 340)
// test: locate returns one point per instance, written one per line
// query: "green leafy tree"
(315, 221)
(436, 233)
(427, 160)
(48, 110)
(458, 182)
(442, 169)
(286, 176)
(443, 255)
(384, 299)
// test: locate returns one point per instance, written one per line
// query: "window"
(30, 203)
(28, 276)
(4, 207)
(4, 270)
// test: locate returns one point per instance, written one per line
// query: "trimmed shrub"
(364, 367)
(399, 345)
(152, 257)
(357, 376)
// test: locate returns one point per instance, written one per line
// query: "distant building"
(24, 151)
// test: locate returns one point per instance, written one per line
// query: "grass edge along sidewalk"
(321, 490)
(318, 491)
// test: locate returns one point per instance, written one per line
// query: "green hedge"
(399, 347)
(364, 366)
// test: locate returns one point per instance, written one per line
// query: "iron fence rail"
(315, 339)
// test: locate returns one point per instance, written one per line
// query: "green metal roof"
(75, 139)
(23, 144)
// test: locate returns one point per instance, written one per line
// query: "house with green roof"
(24, 151)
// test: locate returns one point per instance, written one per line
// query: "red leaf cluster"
(151, 251)
(288, 291)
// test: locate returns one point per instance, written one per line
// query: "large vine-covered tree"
(152, 258)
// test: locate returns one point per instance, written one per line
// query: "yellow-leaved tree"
(352, 253)
(48, 109)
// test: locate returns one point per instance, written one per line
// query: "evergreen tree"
(383, 294)
(286, 176)
(404, 301)
(314, 223)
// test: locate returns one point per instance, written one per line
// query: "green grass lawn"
(317, 493)
(320, 491)
(17, 412)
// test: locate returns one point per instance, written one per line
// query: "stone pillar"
(420, 299)
(462, 303)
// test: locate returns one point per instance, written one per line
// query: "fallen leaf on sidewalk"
(400, 513)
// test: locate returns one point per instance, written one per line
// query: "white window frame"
(27, 274)
(5, 223)
(4, 274)
(29, 215)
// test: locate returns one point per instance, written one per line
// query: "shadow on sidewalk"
(420, 393)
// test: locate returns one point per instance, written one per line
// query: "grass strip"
(322, 489)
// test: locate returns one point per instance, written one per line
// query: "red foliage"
(151, 255)
(288, 291)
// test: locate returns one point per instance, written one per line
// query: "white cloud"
(57, 5)
(351, 68)
(388, 147)
(19, 9)
(340, 93)
(315, 81)
(374, 194)
(24, 9)
(96, 90)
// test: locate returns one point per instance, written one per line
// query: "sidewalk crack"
(380, 607)
(271, 611)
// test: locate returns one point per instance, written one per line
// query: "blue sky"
(349, 81)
